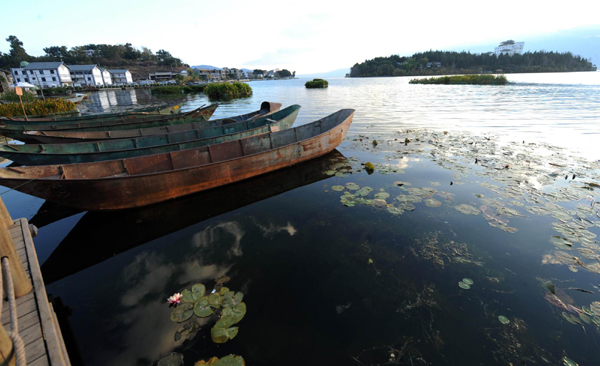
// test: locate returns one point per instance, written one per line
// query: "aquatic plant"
(11, 96)
(175, 299)
(227, 90)
(463, 285)
(316, 83)
(38, 108)
(369, 168)
(482, 79)
(224, 303)
(230, 360)
(503, 319)
(178, 89)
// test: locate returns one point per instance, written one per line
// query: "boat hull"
(137, 188)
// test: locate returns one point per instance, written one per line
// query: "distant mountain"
(329, 74)
(209, 67)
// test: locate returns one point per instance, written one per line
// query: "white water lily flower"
(175, 299)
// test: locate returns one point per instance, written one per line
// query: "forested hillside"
(428, 63)
(105, 55)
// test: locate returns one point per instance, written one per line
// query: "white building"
(509, 47)
(46, 74)
(86, 75)
(106, 76)
(121, 76)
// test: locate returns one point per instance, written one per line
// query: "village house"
(121, 76)
(106, 79)
(162, 76)
(86, 75)
(44, 74)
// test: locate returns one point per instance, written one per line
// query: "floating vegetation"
(338, 188)
(503, 319)
(463, 285)
(171, 359)
(430, 202)
(225, 304)
(382, 195)
(467, 209)
(568, 362)
(430, 248)
(231, 360)
(369, 167)
(468, 281)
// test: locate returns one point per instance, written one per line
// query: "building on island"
(106, 79)
(163, 76)
(509, 47)
(46, 74)
(120, 76)
(86, 75)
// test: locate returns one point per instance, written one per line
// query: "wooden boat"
(141, 181)
(117, 232)
(142, 112)
(198, 114)
(38, 154)
(67, 137)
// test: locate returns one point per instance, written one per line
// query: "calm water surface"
(334, 276)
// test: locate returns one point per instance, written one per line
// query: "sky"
(304, 36)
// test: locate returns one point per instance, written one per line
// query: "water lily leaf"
(395, 210)
(352, 186)
(231, 360)
(432, 202)
(210, 362)
(463, 285)
(223, 291)
(225, 322)
(468, 281)
(202, 308)
(232, 298)
(569, 362)
(467, 209)
(182, 312)
(222, 335)
(214, 300)
(503, 319)
(187, 331)
(197, 292)
(382, 195)
(171, 359)
(338, 188)
(239, 311)
(585, 318)
(595, 308)
(330, 172)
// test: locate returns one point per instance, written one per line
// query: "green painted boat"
(66, 137)
(198, 114)
(40, 154)
(143, 112)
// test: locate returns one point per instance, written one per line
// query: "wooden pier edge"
(50, 329)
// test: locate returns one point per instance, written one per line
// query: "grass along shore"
(480, 79)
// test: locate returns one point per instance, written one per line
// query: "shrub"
(480, 79)
(175, 89)
(38, 108)
(317, 83)
(227, 90)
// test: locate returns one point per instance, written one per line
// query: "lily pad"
(231, 360)
(214, 300)
(232, 298)
(503, 319)
(187, 331)
(467, 209)
(595, 308)
(463, 285)
(223, 291)
(182, 312)
(352, 186)
(585, 318)
(222, 332)
(395, 210)
(382, 195)
(171, 359)
(430, 202)
(202, 308)
(569, 362)
(338, 188)
(468, 281)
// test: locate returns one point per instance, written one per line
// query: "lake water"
(469, 244)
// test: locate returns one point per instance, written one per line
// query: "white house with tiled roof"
(86, 75)
(121, 76)
(46, 74)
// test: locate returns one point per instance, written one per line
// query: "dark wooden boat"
(117, 232)
(141, 181)
(67, 137)
(143, 112)
(198, 114)
(38, 154)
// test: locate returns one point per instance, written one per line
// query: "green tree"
(57, 53)
(283, 73)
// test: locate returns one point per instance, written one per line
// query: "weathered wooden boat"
(38, 154)
(142, 112)
(198, 114)
(117, 232)
(67, 137)
(141, 181)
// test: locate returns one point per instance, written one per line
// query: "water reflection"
(120, 231)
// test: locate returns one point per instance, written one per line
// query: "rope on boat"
(18, 346)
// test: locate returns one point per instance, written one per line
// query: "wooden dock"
(38, 326)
